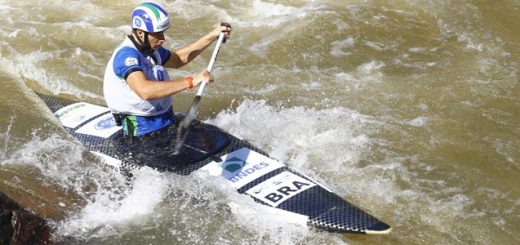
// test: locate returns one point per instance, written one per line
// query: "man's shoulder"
(127, 48)
(126, 59)
(126, 52)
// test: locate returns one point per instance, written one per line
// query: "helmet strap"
(142, 45)
(146, 41)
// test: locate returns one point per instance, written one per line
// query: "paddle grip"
(227, 25)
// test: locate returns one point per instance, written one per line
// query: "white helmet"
(150, 17)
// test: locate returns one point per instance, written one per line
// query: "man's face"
(156, 39)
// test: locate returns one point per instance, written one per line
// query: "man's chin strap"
(143, 47)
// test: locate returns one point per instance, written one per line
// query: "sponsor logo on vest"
(130, 61)
(105, 123)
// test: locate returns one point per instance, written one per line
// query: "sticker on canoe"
(280, 188)
(242, 166)
(73, 115)
(103, 126)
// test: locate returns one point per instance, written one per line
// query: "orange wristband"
(190, 82)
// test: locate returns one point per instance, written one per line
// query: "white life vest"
(120, 97)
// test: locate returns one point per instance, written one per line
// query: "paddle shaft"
(182, 131)
(211, 62)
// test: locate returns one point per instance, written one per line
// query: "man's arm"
(186, 54)
(152, 90)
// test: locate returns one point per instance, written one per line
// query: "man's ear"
(140, 33)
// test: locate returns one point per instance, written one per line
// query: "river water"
(409, 109)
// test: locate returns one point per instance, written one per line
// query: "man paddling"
(137, 88)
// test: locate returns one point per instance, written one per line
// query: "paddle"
(184, 126)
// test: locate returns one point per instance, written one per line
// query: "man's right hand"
(203, 76)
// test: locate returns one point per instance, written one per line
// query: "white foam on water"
(313, 141)
(371, 67)
(277, 20)
(333, 145)
(508, 151)
(53, 39)
(338, 47)
(29, 66)
(284, 128)
(376, 45)
(5, 136)
(109, 200)
(108, 209)
(419, 121)
(366, 76)
(266, 14)
(54, 156)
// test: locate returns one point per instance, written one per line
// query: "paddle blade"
(181, 137)
(183, 128)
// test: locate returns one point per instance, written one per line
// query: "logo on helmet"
(138, 22)
(163, 26)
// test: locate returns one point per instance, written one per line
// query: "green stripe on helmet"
(153, 9)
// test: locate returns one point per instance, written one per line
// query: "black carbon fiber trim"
(329, 211)
(55, 103)
(262, 179)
